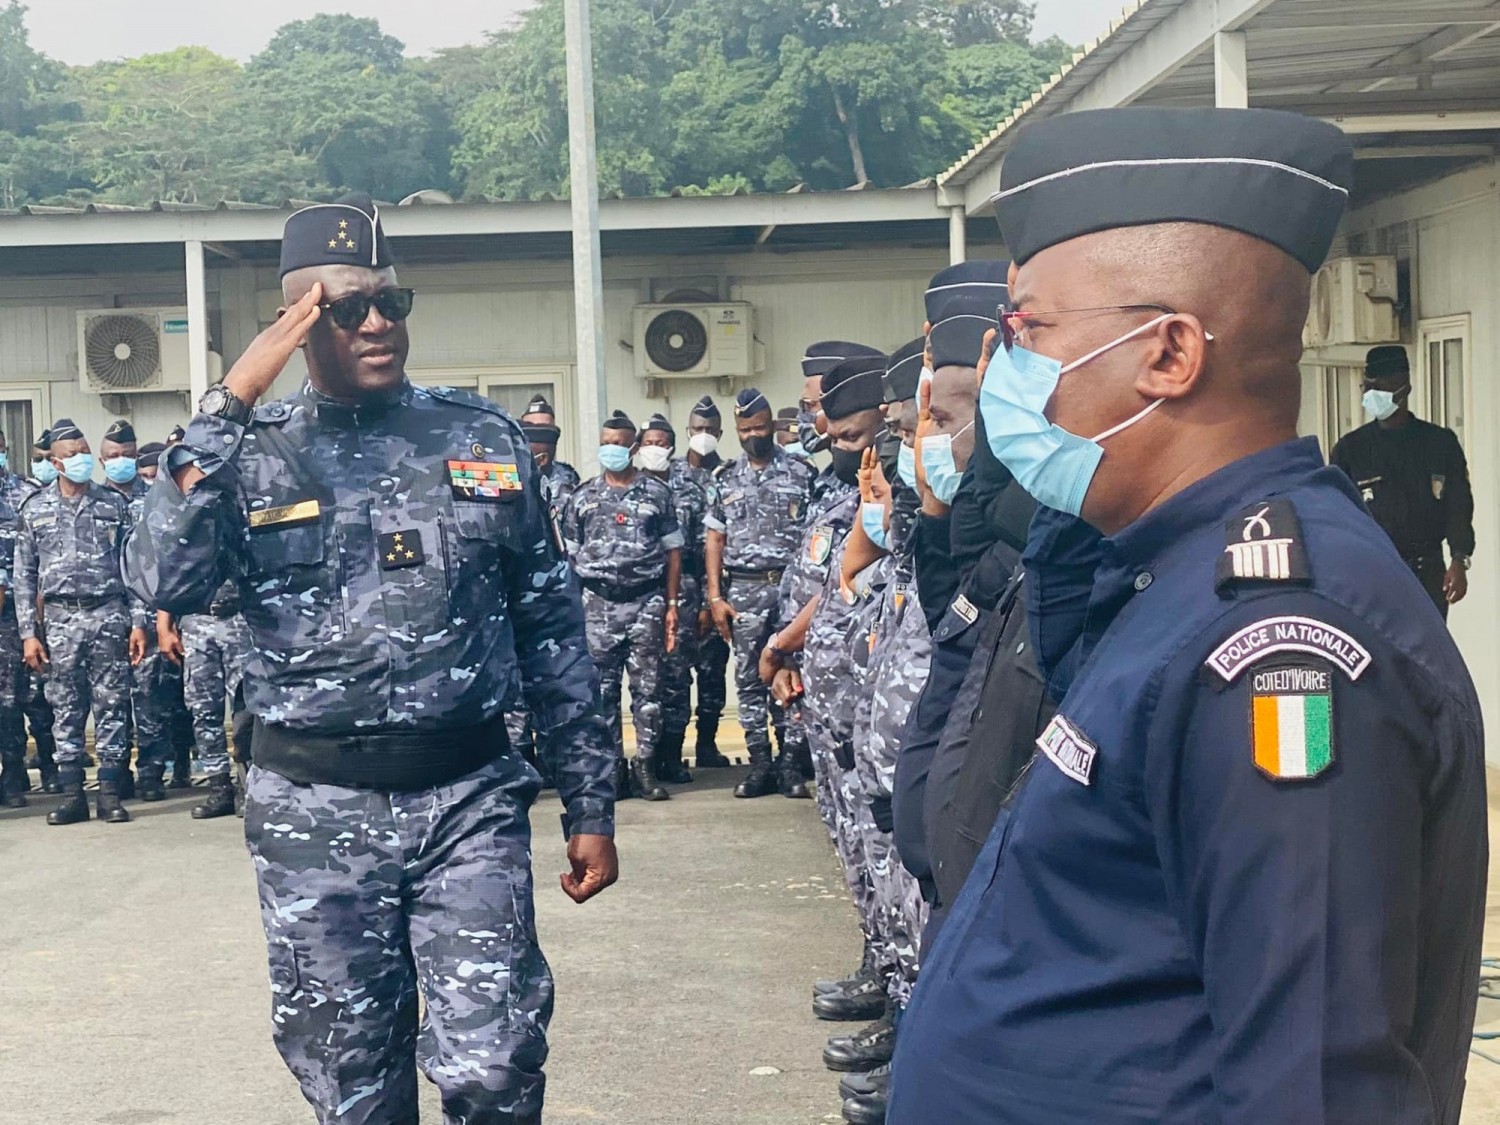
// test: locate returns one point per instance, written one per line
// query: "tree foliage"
(706, 96)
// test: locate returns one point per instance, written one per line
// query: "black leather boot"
(624, 781)
(643, 773)
(789, 775)
(107, 805)
(867, 1109)
(866, 1049)
(864, 1000)
(220, 800)
(761, 780)
(862, 1085)
(125, 785)
(668, 759)
(865, 971)
(706, 753)
(75, 809)
(150, 787)
(182, 769)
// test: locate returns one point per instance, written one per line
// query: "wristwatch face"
(213, 402)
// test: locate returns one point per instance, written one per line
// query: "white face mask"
(655, 458)
(703, 444)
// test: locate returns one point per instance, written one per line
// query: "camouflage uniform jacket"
(693, 493)
(761, 512)
(399, 573)
(828, 522)
(559, 479)
(620, 537)
(70, 549)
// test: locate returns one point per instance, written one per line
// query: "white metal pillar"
(583, 180)
(197, 305)
(1231, 71)
(958, 235)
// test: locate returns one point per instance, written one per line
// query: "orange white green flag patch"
(1292, 721)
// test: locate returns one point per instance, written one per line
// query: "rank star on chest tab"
(400, 549)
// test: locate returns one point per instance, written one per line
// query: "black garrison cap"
(149, 454)
(1279, 177)
(120, 431)
(854, 385)
(705, 407)
(347, 232)
(1387, 360)
(750, 401)
(823, 356)
(660, 422)
(44, 440)
(539, 405)
(619, 420)
(957, 339)
(786, 418)
(904, 370)
(982, 280)
(64, 429)
(541, 434)
(177, 434)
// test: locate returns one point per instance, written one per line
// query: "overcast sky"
(85, 31)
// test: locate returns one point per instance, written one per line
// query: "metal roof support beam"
(1231, 71)
(1357, 124)
(1417, 152)
(1436, 47)
(197, 304)
(958, 236)
(1367, 16)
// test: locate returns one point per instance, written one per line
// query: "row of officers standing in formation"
(75, 643)
(1155, 777)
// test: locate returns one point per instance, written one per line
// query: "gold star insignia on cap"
(333, 243)
(343, 224)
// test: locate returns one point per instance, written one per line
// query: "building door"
(25, 410)
(1341, 403)
(513, 386)
(1440, 389)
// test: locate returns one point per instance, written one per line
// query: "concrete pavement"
(134, 987)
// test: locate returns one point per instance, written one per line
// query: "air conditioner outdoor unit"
(136, 351)
(694, 341)
(1353, 302)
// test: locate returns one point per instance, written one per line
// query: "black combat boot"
(866, 971)
(643, 773)
(863, 1000)
(125, 784)
(182, 769)
(669, 765)
(761, 780)
(706, 754)
(789, 775)
(624, 781)
(13, 789)
(862, 1084)
(867, 1109)
(150, 787)
(75, 809)
(220, 800)
(107, 805)
(866, 1049)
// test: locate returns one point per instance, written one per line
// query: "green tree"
(32, 167)
(986, 81)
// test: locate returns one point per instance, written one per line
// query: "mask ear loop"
(1134, 418)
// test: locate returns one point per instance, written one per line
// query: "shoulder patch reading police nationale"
(1291, 721)
(1263, 543)
(1272, 635)
(1068, 750)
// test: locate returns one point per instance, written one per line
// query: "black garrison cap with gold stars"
(347, 232)
(1279, 177)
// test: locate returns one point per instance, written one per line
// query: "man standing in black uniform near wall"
(1413, 478)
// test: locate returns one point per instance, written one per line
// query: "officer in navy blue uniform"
(1243, 881)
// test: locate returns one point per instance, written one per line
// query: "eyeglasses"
(352, 311)
(1011, 323)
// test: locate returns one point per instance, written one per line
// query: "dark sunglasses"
(352, 311)
(1011, 322)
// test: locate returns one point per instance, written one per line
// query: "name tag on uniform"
(1068, 750)
(493, 481)
(288, 515)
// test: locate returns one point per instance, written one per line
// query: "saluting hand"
(255, 371)
(595, 865)
(925, 428)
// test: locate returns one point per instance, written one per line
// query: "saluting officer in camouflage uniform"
(754, 527)
(705, 428)
(691, 492)
(559, 478)
(30, 687)
(622, 532)
(68, 544)
(399, 578)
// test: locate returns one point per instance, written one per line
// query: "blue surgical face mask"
(121, 470)
(872, 519)
(795, 449)
(4, 460)
(942, 472)
(1380, 405)
(44, 471)
(1056, 467)
(79, 467)
(614, 458)
(906, 466)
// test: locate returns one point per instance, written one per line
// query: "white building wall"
(1455, 229)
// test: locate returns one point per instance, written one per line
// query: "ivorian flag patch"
(1291, 721)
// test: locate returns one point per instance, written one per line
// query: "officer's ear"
(1177, 356)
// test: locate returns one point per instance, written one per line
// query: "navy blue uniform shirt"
(1244, 881)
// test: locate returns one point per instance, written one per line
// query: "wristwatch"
(775, 649)
(219, 402)
(1464, 561)
(674, 602)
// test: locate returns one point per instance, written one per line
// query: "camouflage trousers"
(848, 821)
(711, 673)
(213, 667)
(149, 700)
(758, 609)
(629, 637)
(369, 898)
(90, 671)
(679, 664)
(13, 777)
(32, 693)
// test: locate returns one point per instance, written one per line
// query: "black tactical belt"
(76, 604)
(395, 762)
(224, 609)
(765, 577)
(622, 593)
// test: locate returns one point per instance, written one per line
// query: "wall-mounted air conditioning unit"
(135, 351)
(691, 341)
(1353, 302)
